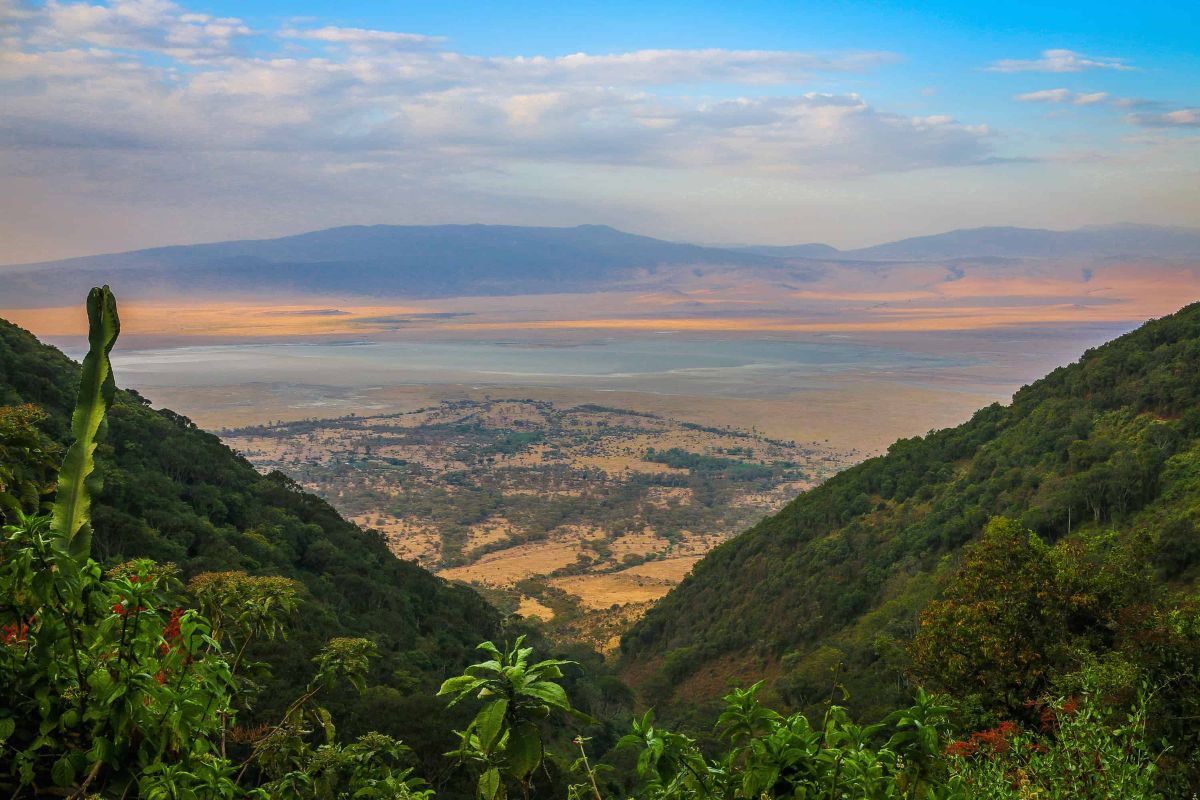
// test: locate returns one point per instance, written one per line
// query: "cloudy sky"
(146, 122)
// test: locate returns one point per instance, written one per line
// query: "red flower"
(996, 739)
(171, 632)
(963, 749)
(14, 633)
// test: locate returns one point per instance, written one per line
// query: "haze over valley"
(492, 399)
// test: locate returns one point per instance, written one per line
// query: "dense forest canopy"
(839, 576)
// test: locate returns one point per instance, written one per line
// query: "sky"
(138, 123)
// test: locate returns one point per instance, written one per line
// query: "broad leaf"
(489, 784)
(524, 750)
(490, 722)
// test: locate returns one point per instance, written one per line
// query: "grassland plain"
(581, 515)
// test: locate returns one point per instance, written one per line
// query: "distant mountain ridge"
(1097, 241)
(462, 260)
(380, 260)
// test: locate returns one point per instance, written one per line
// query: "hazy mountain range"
(1098, 241)
(458, 260)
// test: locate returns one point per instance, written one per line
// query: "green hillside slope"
(173, 492)
(830, 588)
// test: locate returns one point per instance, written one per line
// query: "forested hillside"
(174, 493)
(831, 589)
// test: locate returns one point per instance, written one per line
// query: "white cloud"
(349, 95)
(1059, 61)
(156, 26)
(1066, 96)
(692, 66)
(1046, 96)
(360, 36)
(1181, 118)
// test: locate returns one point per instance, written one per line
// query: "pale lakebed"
(855, 390)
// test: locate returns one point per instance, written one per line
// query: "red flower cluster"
(995, 740)
(171, 632)
(961, 749)
(1049, 717)
(16, 633)
(122, 610)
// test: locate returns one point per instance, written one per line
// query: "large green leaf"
(490, 722)
(524, 751)
(489, 784)
(76, 481)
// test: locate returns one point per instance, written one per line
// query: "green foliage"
(104, 675)
(112, 689)
(765, 754)
(697, 462)
(505, 740)
(1019, 617)
(374, 766)
(27, 461)
(1084, 748)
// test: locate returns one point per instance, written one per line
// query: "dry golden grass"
(493, 529)
(669, 570)
(409, 540)
(645, 542)
(615, 588)
(532, 607)
(506, 567)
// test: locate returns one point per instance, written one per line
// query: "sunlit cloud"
(154, 26)
(1066, 96)
(1059, 61)
(359, 36)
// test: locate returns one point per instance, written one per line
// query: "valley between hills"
(580, 515)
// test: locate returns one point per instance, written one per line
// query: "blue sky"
(143, 122)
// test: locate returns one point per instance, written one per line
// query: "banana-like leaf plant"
(77, 481)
